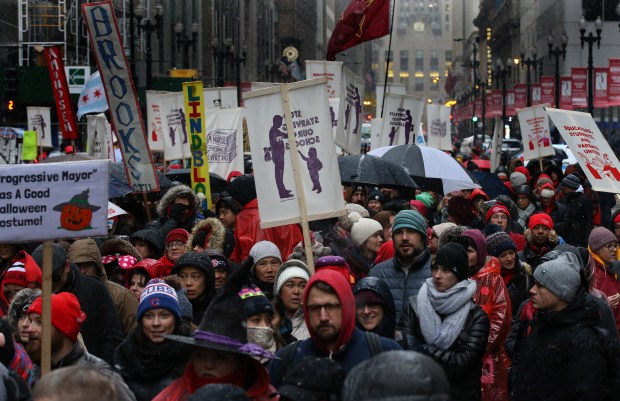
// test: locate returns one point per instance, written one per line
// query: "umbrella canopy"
(491, 184)
(432, 169)
(373, 171)
(482, 164)
(218, 184)
(118, 180)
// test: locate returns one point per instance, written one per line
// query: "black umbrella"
(373, 171)
(491, 184)
(118, 178)
(218, 184)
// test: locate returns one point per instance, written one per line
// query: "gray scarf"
(453, 305)
(524, 215)
(262, 336)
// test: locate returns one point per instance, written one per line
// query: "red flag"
(61, 93)
(363, 20)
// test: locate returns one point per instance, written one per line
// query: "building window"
(434, 61)
(419, 82)
(404, 60)
(419, 60)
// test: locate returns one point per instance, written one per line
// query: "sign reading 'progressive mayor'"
(51, 201)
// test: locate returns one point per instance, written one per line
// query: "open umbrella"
(491, 184)
(218, 184)
(118, 180)
(432, 169)
(373, 171)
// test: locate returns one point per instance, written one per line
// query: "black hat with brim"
(217, 342)
(80, 200)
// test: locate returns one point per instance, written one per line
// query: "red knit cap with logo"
(499, 208)
(67, 317)
(541, 218)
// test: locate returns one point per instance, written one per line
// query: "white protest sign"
(496, 144)
(220, 98)
(332, 70)
(376, 125)
(401, 118)
(224, 128)
(39, 121)
(114, 210)
(349, 130)
(99, 137)
(174, 126)
(155, 130)
(54, 200)
(592, 151)
(534, 123)
(334, 107)
(278, 202)
(398, 89)
(438, 133)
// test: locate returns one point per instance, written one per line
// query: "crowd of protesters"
(413, 295)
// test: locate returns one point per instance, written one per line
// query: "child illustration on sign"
(154, 133)
(276, 140)
(172, 135)
(593, 165)
(314, 165)
(76, 214)
(408, 125)
(609, 169)
(392, 135)
(332, 115)
(357, 102)
(183, 125)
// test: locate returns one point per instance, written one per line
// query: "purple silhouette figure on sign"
(314, 165)
(347, 114)
(408, 125)
(392, 135)
(173, 136)
(332, 116)
(183, 125)
(41, 123)
(357, 101)
(276, 140)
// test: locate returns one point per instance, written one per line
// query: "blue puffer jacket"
(404, 286)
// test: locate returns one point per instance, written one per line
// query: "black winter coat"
(563, 357)
(577, 223)
(462, 362)
(519, 287)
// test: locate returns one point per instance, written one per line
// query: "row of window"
(419, 59)
(433, 80)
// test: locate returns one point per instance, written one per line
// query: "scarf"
(452, 305)
(524, 215)
(614, 272)
(539, 250)
(508, 275)
(262, 336)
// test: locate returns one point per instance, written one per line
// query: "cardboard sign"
(39, 120)
(52, 201)
(534, 124)
(349, 127)
(224, 128)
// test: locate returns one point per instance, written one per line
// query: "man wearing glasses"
(329, 309)
(603, 246)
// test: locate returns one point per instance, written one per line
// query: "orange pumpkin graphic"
(76, 214)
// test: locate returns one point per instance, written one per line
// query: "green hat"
(425, 198)
(80, 200)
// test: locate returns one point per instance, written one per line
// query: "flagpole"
(387, 65)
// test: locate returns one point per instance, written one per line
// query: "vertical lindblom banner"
(39, 120)
(349, 130)
(60, 88)
(195, 110)
(121, 94)
(401, 118)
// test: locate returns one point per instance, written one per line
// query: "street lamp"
(473, 64)
(184, 41)
(530, 62)
(557, 52)
(499, 74)
(590, 40)
(147, 26)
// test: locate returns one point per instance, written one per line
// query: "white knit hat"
(345, 222)
(363, 228)
(264, 249)
(292, 268)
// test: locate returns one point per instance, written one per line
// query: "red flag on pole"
(363, 20)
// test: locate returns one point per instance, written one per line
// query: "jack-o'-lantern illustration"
(76, 214)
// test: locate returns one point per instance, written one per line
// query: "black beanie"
(242, 189)
(453, 256)
(254, 301)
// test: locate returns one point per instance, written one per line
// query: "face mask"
(262, 336)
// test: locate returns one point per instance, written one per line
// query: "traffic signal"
(11, 82)
(474, 119)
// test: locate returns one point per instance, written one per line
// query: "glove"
(177, 211)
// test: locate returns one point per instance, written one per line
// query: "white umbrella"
(114, 210)
(432, 169)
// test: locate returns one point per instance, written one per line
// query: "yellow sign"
(194, 110)
(190, 73)
(29, 147)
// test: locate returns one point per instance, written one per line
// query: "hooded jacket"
(531, 254)
(387, 326)
(164, 223)
(34, 277)
(351, 346)
(153, 239)
(215, 234)
(125, 302)
(19, 306)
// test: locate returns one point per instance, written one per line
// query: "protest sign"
(613, 82)
(53, 201)
(220, 98)
(60, 88)
(585, 140)
(280, 199)
(332, 70)
(11, 143)
(376, 126)
(600, 87)
(154, 121)
(29, 149)
(121, 94)
(401, 118)
(174, 126)
(496, 144)
(566, 93)
(224, 128)
(39, 121)
(547, 88)
(398, 89)
(438, 119)
(349, 130)
(99, 142)
(579, 87)
(534, 124)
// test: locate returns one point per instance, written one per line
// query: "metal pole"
(590, 75)
(529, 84)
(132, 41)
(149, 56)
(557, 80)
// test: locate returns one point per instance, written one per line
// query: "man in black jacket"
(102, 331)
(577, 223)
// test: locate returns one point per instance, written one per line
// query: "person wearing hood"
(17, 316)
(578, 221)
(117, 255)
(267, 260)
(140, 274)
(443, 322)
(492, 295)
(23, 273)
(247, 228)
(290, 283)
(395, 376)
(85, 254)
(329, 309)
(367, 236)
(7, 253)
(178, 208)
(147, 361)
(148, 243)
(227, 210)
(603, 247)
(102, 333)
(563, 357)
(207, 234)
(375, 201)
(195, 270)
(258, 317)
(374, 307)
(13, 355)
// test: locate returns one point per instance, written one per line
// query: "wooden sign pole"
(46, 314)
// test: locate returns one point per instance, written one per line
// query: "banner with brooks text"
(39, 120)
(278, 196)
(592, 151)
(534, 124)
(438, 131)
(99, 143)
(53, 201)
(349, 127)
(224, 128)
(60, 88)
(401, 116)
(121, 94)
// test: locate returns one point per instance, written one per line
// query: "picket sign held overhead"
(496, 144)
(585, 140)
(99, 142)
(534, 123)
(332, 70)
(39, 120)
(350, 118)
(401, 118)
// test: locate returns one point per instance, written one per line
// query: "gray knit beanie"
(559, 277)
(599, 237)
(517, 179)
(264, 249)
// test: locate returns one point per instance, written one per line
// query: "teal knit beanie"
(410, 219)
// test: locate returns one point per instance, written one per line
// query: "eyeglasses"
(611, 246)
(329, 308)
(373, 308)
(175, 245)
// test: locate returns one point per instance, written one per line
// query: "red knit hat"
(67, 317)
(24, 272)
(178, 234)
(498, 208)
(419, 205)
(541, 218)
